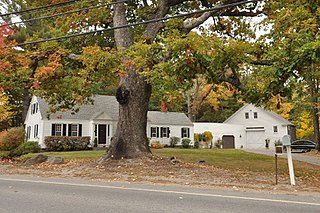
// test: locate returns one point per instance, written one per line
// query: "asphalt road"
(37, 195)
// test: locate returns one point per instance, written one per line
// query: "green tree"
(293, 49)
(150, 54)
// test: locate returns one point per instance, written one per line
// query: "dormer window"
(246, 115)
(34, 108)
(255, 115)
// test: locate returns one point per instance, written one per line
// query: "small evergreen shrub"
(25, 148)
(64, 143)
(196, 144)
(11, 138)
(186, 142)
(174, 141)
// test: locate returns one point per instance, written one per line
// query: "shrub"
(196, 144)
(186, 142)
(12, 138)
(156, 145)
(174, 141)
(25, 148)
(64, 143)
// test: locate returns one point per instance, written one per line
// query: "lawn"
(226, 159)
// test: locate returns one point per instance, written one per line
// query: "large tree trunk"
(315, 111)
(133, 94)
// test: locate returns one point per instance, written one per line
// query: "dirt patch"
(162, 171)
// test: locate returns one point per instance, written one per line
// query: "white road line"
(163, 191)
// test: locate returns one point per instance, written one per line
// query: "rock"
(55, 160)
(201, 161)
(36, 160)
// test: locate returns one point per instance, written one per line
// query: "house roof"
(103, 105)
(168, 118)
(268, 112)
(107, 107)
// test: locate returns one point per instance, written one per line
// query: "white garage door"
(256, 139)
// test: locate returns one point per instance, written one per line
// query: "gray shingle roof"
(102, 104)
(168, 118)
(109, 106)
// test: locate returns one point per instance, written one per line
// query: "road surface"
(25, 194)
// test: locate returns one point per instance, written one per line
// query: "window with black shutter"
(185, 132)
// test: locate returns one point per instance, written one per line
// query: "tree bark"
(133, 94)
(315, 112)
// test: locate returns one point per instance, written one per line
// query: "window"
(185, 132)
(28, 132)
(275, 129)
(165, 132)
(246, 115)
(255, 115)
(154, 132)
(58, 130)
(75, 130)
(34, 108)
(35, 131)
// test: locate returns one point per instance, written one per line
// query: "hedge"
(67, 143)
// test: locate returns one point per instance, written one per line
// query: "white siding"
(264, 120)
(218, 130)
(175, 131)
(32, 119)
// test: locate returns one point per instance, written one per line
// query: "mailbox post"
(286, 142)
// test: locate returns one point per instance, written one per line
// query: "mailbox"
(286, 140)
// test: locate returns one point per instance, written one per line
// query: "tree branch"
(262, 62)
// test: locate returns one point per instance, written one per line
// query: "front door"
(102, 134)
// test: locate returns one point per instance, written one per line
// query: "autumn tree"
(146, 54)
(292, 50)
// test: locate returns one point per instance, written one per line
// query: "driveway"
(305, 157)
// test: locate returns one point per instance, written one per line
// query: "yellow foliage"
(281, 107)
(304, 125)
(5, 108)
(207, 136)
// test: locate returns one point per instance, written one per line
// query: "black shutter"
(151, 132)
(157, 132)
(168, 132)
(108, 130)
(188, 132)
(53, 130)
(161, 132)
(69, 129)
(181, 132)
(80, 130)
(64, 130)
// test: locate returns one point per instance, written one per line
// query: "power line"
(64, 13)
(38, 8)
(140, 23)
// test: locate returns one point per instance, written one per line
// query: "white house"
(99, 121)
(250, 127)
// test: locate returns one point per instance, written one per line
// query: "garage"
(228, 142)
(255, 138)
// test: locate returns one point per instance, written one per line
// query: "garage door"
(256, 139)
(228, 142)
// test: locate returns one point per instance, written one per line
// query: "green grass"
(222, 158)
(89, 154)
(225, 159)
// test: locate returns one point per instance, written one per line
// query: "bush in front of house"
(11, 138)
(174, 141)
(65, 143)
(186, 142)
(25, 148)
(156, 145)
